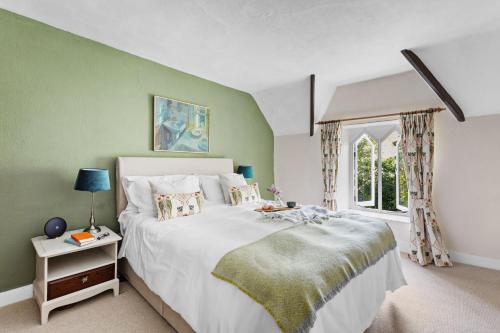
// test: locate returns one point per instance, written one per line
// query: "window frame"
(372, 170)
(398, 170)
(366, 131)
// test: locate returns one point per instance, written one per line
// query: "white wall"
(467, 183)
(297, 168)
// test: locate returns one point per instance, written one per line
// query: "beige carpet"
(441, 300)
(457, 299)
(128, 312)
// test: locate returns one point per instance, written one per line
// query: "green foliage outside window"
(389, 174)
(389, 184)
(364, 164)
(403, 185)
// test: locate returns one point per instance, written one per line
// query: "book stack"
(81, 238)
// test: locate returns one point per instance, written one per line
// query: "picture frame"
(180, 126)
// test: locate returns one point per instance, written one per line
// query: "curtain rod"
(381, 116)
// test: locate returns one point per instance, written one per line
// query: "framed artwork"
(180, 126)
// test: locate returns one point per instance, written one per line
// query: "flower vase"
(278, 201)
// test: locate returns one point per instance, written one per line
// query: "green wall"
(67, 102)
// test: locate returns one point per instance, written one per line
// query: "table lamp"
(246, 171)
(92, 180)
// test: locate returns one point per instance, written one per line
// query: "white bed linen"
(175, 259)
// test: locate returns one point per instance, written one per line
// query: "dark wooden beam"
(311, 106)
(431, 80)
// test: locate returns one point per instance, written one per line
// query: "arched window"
(378, 174)
(365, 167)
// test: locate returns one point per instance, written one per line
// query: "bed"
(170, 264)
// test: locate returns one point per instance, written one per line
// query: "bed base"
(173, 318)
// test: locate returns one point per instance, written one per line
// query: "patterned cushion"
(244, 194)
(176, 205)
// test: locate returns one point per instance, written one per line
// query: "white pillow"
(229, 180)
(138, 189)
(138, 192)
(175, 184)
(211, 188)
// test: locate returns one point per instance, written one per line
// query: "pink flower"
(274, 190)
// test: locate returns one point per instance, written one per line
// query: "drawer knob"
(85, 279)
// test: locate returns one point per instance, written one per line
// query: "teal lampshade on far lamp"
(92, 180)
(246, 171)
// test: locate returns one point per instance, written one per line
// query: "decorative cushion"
(244, 194)
(229, 180)
(170, 206)
(174, 184)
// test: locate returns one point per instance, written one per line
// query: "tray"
(276, 209)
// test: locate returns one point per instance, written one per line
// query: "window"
(365, 170)
(379, 180)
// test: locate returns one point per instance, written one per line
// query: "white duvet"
(175, 259)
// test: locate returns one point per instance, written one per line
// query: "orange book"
(82, 236)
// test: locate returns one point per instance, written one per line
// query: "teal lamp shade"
(92, 180)
(246, 171)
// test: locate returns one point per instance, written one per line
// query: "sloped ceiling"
(287, 107)
(269, 47)
(469, 69)
(390, 94)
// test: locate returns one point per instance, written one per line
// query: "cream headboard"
(159, 166)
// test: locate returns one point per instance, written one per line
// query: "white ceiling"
(469, 69)
(269, 47)
(286, 107)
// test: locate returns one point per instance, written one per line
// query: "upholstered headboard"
(159, 166)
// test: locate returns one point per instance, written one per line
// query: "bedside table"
(66, 273)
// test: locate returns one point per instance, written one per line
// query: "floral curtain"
(330, 149)
(417, 139)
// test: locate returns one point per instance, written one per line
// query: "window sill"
(382, 216)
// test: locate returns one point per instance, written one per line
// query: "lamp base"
(93, 229)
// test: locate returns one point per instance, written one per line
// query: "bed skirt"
(173, 318)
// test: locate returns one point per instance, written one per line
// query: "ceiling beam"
(311, 105)
(431, 80)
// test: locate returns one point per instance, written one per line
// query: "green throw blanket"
(293, 272)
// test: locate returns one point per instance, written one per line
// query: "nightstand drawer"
(72, 283)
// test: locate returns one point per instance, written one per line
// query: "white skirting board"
(470, 259)
(462, 258)
(16, 295)
(22, 293)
